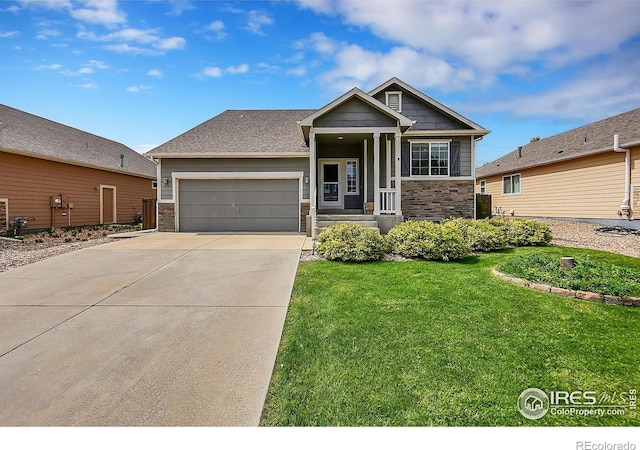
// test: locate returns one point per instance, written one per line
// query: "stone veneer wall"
(4, 226)
(166, 217)
(304, 212)
(437, 199)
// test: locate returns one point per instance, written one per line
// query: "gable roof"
(590, 139)
(424, 97)
(307, 122)
(251, 132)
(29, 135)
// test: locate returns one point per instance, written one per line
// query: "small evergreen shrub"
(523, 232)
(479, 235)
(350, 242)
(427, 240)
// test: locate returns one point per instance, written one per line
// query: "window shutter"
(454, 158)
(405, 168)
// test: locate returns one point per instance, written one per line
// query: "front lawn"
(444, 344)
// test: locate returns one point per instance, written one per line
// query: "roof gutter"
(625, 206)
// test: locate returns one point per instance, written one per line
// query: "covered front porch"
(353, 177)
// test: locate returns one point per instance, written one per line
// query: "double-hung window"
(430, 158)
(511, 184)
(483, 186)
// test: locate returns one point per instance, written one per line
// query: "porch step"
(324, 221)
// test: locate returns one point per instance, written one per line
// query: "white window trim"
(346, 164)
(429, 141)
(399, 94)
(483, 186)
(511, 176)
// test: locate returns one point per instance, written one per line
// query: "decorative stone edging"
(582, 295)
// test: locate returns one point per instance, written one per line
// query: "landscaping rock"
(591, 296)
(563, 292)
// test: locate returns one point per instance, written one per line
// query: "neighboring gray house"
(394, 153)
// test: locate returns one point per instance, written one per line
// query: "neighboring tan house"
(63, 176)
(269, 170)
(577, 174)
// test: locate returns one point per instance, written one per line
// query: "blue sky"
(142, 72)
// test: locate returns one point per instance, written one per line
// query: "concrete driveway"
(164, 329)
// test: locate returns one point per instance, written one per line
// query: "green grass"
(443, 344)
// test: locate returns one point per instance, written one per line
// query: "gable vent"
(394, 100)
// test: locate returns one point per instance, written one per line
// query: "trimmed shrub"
(427, 240)
(523, 232)
(479, 235)
(350, 242)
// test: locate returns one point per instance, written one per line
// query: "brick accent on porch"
(437, 199)
(166, 217)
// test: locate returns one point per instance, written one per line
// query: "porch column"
(376, 174)
(312, 183)
(398, 174)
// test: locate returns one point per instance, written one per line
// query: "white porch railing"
(387, 201)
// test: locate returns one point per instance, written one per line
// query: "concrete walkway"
(163, 329)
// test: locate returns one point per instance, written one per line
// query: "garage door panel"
(239, 205)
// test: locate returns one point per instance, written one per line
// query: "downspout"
(625, 207)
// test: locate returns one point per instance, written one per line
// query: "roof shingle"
(590, 139)
(241, 131)
(35, 136)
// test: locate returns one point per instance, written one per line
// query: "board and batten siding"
(29, 183)
(591, 187)
(169, 165)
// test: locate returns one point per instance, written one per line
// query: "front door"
(331, 184)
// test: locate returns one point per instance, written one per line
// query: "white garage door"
(239, 205)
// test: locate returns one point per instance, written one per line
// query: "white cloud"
(213, 72)
(156, 73)
(299, 71)
(178, 7)
(86, 70)
(155, 44)
(139, 88)
(144, 148)
(487, 39)
(98, 64)
(242, 68)
(103, 12)
(88, 85)
(256, 20)
(49, 67)
(9, 34)
(217, 27)
(217, 72)
(172, 43)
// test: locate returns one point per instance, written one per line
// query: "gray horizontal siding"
(354, 113)
(169, 166)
